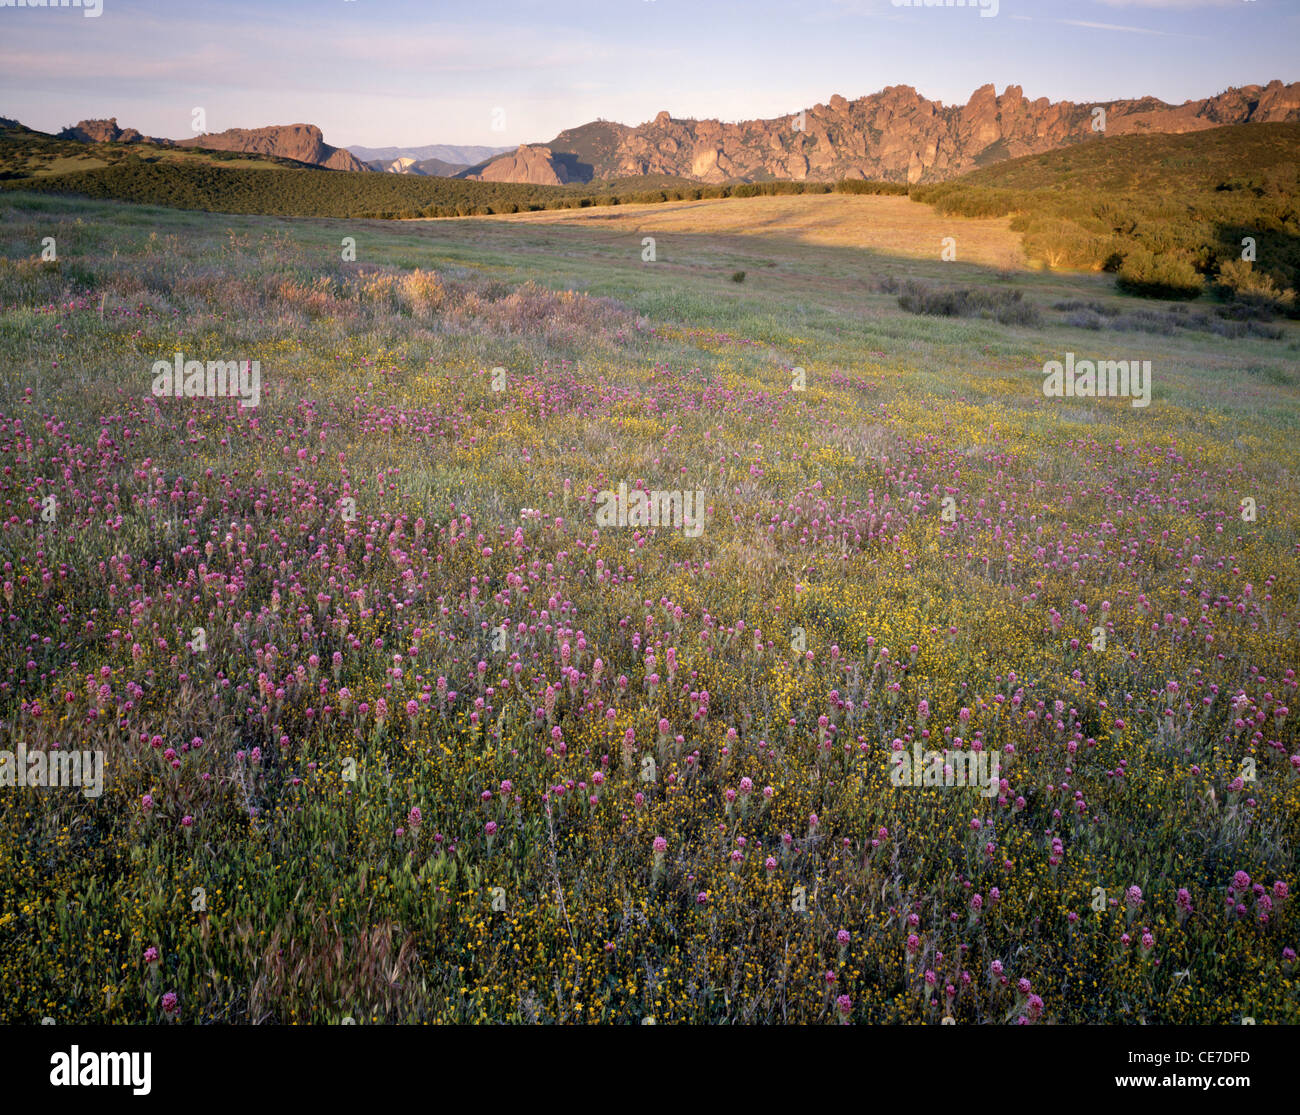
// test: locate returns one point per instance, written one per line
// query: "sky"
(500, 72)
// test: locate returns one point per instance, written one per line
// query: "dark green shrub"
(1251, 291)
(1007, 307)
(1151, 276)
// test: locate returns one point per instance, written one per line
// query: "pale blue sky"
(406, 72)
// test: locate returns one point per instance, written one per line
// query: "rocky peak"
(105, 131)
(529, 162)
(896, 134)
(302, 142)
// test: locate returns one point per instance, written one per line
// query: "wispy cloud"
(1121, 27)
(1174, 4)
(1092, 25)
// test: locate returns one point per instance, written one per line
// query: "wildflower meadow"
(551, 634)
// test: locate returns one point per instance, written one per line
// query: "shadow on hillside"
(575, 168)
(1276, 252)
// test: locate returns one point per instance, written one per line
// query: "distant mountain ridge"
(894, 135)
(435, 168)
(463, 155)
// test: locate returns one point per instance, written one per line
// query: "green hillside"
(1166, 213)
(1147, 163)
(25, 153)
(302, 192)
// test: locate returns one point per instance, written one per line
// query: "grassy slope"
(1167, 212)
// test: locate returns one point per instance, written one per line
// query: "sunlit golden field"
(895, 226)
(450, 749)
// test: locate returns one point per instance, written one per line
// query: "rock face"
(302, 142)
(106, 131)
(528, 163)
(896, 135)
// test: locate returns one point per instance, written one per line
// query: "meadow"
(395, 732)
(1170, 216)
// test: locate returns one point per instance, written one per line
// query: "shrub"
(1151, 276)
(864, 186)
(1060, 242)
(1005, 306)
(1255, 292)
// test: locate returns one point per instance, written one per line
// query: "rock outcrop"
(896, 135)
(302, 142)
(106, 131)
(530, 162)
